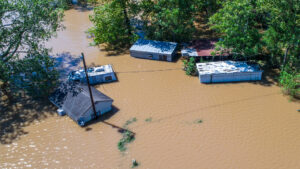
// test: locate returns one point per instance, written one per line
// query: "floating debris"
(134, 163)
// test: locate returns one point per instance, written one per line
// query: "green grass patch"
(199, 121)
(148, 119)
(127, 136)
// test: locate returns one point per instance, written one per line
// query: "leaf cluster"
(24, 28)
(190, 66)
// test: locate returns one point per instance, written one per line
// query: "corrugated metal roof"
(225, 67)
(143, 45)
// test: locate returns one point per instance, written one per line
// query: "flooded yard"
(181, 123)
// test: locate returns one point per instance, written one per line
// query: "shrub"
(190, 67)
(290, 82)
(127, 138)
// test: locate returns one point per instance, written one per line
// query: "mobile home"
(228, 71)
(100, 74)
(155, 50)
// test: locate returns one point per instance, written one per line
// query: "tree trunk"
(127, 21)
(4, 88)
(285, 55)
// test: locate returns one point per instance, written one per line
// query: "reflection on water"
(244, 125)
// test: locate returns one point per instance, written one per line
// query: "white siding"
(102, 107)
(230, 77)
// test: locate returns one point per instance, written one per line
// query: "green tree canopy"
(264, 27)
(112, 24)
(24, 27)
(237, 25)
(169, 20)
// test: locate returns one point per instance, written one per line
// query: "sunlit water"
(244, 125)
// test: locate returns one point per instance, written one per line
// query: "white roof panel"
(144, 45)
(225, 67)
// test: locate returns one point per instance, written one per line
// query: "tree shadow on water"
(66, 62)
(269, 78)
(16, 114)
(115, 50)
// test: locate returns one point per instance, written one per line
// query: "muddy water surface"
(240, 125)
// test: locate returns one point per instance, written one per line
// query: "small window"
(90, 69)
(150, 56)
(100, 70)
(108, 78)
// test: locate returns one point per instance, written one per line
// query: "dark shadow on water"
(115, 50)
(19, 113)
(103, 118)
(177, 57)
(66, 62)
(82, 8)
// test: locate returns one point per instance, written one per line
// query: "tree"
(237, 25)
(208, 6)
(270, 28)
(112, 24)
(169, 20)
(190, 66)
(282, 37)
(24, 27)
(36, 74)
(264, 27)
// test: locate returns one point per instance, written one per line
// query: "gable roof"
(75, 99)
(152, 46)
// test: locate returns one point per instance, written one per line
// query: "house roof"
(200, 48)
(151, 46)
(75, 99)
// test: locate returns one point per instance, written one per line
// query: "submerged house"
(100, 74)
(228, 71)
(74, 100)
(201, 49)
(154, 50)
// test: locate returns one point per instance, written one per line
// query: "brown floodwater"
(244, 125)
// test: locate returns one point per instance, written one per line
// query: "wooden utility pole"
(89, 86)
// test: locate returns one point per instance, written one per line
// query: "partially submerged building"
(155, 50)
(74, 100)
(100, 74)
(228, 71)
(202, 49)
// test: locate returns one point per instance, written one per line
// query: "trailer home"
(228, 71)
(155, 50)
(96, 75)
